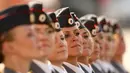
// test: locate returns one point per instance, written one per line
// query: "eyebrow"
(66, 32)
(48, 28)
(76, 30)
(85, 32)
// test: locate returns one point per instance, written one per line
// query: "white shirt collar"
(97, 66)
(121, 66)
(60, 70)
(48, 68)
(74, 68)
(106, 66)
(103, 65)
(87, 67)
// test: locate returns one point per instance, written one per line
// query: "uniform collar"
(87, 67)
(74, 68)
(45, 67)
(60, 70)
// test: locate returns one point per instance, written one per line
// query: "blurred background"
(118, 9)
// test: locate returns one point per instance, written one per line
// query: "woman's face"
(74, 41)
(102, 43)
(96, 53)
(109, 44)
(24, 43)
(119, 46)
(87, 42)
(60, 50)
(46, 37)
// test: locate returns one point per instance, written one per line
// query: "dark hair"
(6, 36)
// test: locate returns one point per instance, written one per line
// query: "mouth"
(77, 45)
(96, 52)
(62, 46)
(86, 46)
(45, 45)
(61, 51)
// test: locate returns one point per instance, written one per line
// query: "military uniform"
(119, 67)
(90, 22)
(69, 70)
(13, 17)
(84, 67)
(35, 68)
(7, 70)
(58, 29)
(60, 70)
(66, 20)
(116, 29)
(77, 69)
(40, 67)
(87, 68)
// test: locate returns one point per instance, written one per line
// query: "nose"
(85, 41)
(42, 37)
(75, 38)
(97, 47)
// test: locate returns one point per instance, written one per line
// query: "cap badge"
(42, 17)
(77, 23)
(94, 32)
(32, 18)
(70, 21)
(57, 25)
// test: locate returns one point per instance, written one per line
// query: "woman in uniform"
(87, 45)
(18, 42)
(46, 36)
(73, 38)
(60, 50)
(91, 26)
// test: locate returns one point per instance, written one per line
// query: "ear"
(7, 47)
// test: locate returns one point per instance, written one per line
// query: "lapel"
(55, 71)
(68, 69)
(7, 70)
(35, 68)
(118, 68)
(84, 69)
(95, 69)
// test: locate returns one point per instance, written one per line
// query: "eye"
(77, 33)
(96, 41)
(101, 37)
(67, 35)
(109, 39)
(30, 34)
(49, 31)
(86, 36)
(37, 30)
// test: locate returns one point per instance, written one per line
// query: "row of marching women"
(35, 41)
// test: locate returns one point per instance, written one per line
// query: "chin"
(84, 55)
(79, 54)
(63, 59)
